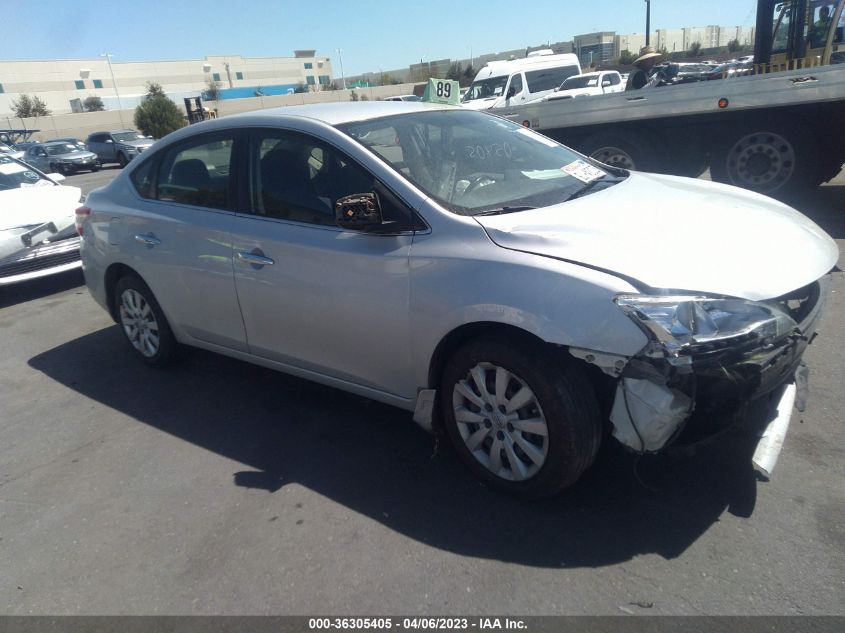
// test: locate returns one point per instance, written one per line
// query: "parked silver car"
(61, 157)
(454, 264)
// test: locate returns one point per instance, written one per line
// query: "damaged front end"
(707, 358)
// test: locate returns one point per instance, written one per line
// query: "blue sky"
(373, 34)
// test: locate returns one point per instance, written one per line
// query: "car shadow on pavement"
(374, 460)
(14, 294)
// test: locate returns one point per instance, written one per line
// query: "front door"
(313, 295)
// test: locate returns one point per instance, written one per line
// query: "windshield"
(492, 87)
(473, 163)
(127, 136)
(588, 81)
(17, 175)
(64, 148)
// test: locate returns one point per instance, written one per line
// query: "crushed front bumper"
(681, 401)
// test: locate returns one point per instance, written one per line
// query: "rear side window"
(96, 138)
(142, 179)
(549, 78)
(197, 173)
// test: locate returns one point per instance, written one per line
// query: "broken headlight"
(687, 321)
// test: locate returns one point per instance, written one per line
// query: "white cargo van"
(520, 81)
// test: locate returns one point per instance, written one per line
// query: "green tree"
(455, 71)
(694, 49)
(26, 107)
(469, 72)
(626, 58)
(734, 46)
(212, 89)
(353, 96)
(301, 87)
(157, 115)
(93, 104)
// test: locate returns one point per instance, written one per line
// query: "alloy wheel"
(501, 422)
(139, 322)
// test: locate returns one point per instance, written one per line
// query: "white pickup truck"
(588, 85)
(771, 133)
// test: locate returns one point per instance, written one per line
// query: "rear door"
(315, 296)
(176, 234)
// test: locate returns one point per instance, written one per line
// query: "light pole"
(108, 57)
(339, 52)
(647, 22)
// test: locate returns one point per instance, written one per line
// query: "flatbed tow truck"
(777, 131)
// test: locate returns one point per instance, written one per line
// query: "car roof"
(345, 112)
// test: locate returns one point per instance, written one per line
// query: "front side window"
(197, 173)
(516, 84)
(472, 162)
(297, 177)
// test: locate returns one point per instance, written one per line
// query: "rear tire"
(143, 322)
(521, 419)
(773, 159)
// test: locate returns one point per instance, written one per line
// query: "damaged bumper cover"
(706, 360)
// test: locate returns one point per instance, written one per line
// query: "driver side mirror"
(359, 212)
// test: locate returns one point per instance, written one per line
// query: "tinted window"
(297, 177)
(197, 173)
(142, 178)
(97, 138)
(516, 84)
(548, 78)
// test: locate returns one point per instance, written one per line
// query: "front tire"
(143, 322)
(121, 160)
(523, 420)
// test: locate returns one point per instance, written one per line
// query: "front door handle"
(149, 239)
(255, 258)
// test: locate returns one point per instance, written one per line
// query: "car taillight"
(82, 214)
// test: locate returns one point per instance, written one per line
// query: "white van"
(520, 81)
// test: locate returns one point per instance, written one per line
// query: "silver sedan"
(61, 157)
(522, 298)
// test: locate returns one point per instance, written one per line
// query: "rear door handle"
(255, 258)
(149, 239)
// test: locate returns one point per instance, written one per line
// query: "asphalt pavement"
(220, 487)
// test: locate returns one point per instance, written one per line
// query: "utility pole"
(108, 57)
(339, 52)
(647, 22)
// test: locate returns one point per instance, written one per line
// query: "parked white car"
(588, 85)
(515, 294)
(37, 232)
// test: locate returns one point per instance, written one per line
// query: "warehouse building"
(65, 84)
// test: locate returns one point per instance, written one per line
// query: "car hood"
(73, 155)
(484, 103)
(141, 142)
(677, 233)
(37, 205)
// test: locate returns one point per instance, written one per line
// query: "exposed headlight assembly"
(681, 322)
